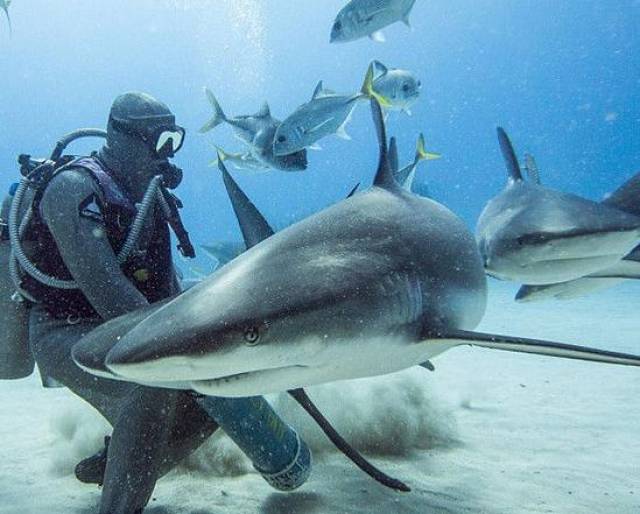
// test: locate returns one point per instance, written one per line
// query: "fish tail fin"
(421, 151)
(218, 114)
(367, 88)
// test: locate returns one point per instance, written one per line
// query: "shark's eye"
(338, 25)
(252, 336)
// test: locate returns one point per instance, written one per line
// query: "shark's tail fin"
(368, 90)
(218, 115)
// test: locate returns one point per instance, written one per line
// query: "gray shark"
(257, 131)
(626, 198)
(376, 283)
(538, 236)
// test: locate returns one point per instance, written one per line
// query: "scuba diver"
(90, 241)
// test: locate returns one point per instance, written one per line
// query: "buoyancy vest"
(149, 268)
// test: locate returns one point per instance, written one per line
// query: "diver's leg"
(137, 446)
(51, 341)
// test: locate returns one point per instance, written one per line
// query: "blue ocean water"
(562, 77)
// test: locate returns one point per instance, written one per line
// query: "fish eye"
(282, 139)
(251, 336)
(419, 83)
(405, 87)
(338, 25)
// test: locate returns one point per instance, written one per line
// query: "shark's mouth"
(251, 383)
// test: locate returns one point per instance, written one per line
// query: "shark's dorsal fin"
(253, 225)
(393, 156)
(510, 159)
(384, 176)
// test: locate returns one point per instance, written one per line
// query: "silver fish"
(400, 88)
(325, 114)
(257, 131)
(241, 161)
(361, 18)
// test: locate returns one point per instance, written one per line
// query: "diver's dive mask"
(163, 137)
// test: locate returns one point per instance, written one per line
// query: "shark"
(626, 198)
(378, 282)
(536, 235)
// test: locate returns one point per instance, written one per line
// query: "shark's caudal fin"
(253, 225)
(384, 176)
(509, 155)
(218, 115)
(536, 346)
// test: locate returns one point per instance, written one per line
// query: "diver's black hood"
(131, 160)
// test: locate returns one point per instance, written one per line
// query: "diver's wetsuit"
(152, 428)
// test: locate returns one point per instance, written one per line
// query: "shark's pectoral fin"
(428, 365)
(303, 399)
(536, 346)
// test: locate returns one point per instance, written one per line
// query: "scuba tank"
(16, 360)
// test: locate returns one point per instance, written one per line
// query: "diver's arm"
(84, 247)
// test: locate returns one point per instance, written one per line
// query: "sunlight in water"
(244, 39)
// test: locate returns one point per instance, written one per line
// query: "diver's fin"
(384, 176)
(305, 402)
(368, 91)
(353, 191)
(510, 159)
(536, 346)
(377, 36)
(532, 168)
(218, 115)
(253, 225)
(393, 156)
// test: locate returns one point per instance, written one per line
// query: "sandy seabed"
(488, 432)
